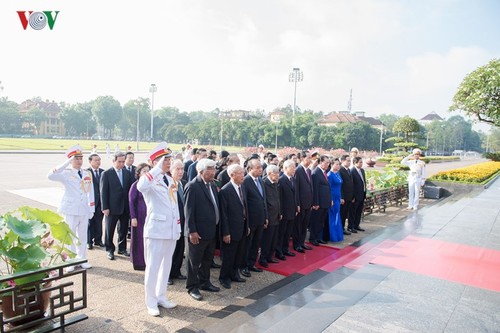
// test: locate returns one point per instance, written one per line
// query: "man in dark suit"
(257, 214)
(270, 234)
(289, 208)
(129, 163)
(201, 210)
(94, 233)
(359, 187)
(192, 158)
(346, 191)
(115, 184)
(304, 191)
(233, 226)
(322, 200)
(201, 153)
(177, 171)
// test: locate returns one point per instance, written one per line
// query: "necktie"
(324, 174)
(216, 209)
(120, 176)
(308, 173)
(96, 174)
(259, 187)
(242, 202)
(80, 173)
(180, 190)
(165, 180)
(291, 182)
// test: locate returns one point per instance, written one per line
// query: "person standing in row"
(138, 212)
(359, 193)
(322, 201)
(234, 226)
(270, 234)
(335, 226)
(115, 185)
(77, 204)
(290, 207)
(416, 177)
(162, 228)
(304, 193)
(94, 234)
(201, 210)
(347, 191)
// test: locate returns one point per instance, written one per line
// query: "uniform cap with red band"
(160, 150)
(76, 150)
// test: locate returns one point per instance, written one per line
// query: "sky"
(404, 57)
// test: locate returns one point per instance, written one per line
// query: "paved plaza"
(433, 270)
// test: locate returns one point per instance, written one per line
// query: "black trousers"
(111, 222)
(355, 213)
(344, 211)
(284, 233)
(199, 261)
(233, 256)
(300, 227)
(268, 243)
(318, 219)
(253, 244)
(94, 232)
(178, 257)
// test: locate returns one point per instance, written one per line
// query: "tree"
(479, 94)
(11, 120)
(408, 126)
(36, 117)
(389, 120)
(78, 119)
(108, 112)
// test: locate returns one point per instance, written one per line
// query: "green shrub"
(492, 156)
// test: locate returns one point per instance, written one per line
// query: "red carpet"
(473, 266)
(305, 263)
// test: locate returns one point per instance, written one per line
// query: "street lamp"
(276, 142)
(137, 130)
(152, 90)
(295, 76)
(381, 133)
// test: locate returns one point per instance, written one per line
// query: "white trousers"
(158, 256)
(413, 192)
(79, 224)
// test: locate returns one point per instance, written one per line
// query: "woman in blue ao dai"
(335, 224)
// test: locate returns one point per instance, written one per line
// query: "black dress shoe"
(100, 244)
(215, 265)
(281, 257)
(111, 256)
(225, 284)
(305, 247)
(322, 241)
(195, 293)
(289, 254)
(359, 229)
(255, 269)
(210, 287)
(170, 282)
(273, 261)
(347, 233)
(245, 272)
(238, 279)
(300, 249)
(90, 246)
(352, 230)
(315, 243)
(180, 277)
(263, 264)
(124, 253)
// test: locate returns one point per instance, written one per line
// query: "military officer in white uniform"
(77, 204)
(161, 230)
(416, 177)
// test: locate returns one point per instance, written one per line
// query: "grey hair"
(233, 168)
(176, 162)
(204, 164)
(288, 163)
(271, 168)
(118, 154)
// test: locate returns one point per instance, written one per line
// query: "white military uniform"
(416, 177)
(77, 204)
(161, 232)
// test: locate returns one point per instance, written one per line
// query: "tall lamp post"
(381, 133)
(137, 129)
(152, 90)
(296, 75)
(276, 119)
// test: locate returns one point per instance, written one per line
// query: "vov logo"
(38, 20)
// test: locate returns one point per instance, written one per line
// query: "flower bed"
(475, 174)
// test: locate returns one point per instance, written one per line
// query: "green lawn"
(63, 144)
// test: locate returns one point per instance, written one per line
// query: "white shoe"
(153, 312)
(415, 208)
(86, 265)
(166, 304)
(69, 269)
(409, 208)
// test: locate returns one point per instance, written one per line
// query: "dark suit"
(132, 172)
(178, 255)
(289, 204)
(322, 197)
(359, 193)
(192, 173)
(201, 217)
(304, 192)
(94, 233)
(187, 164)
(257, 216)
(347, 193)
(114, 196)
(223, 178)
(233, 222)
(270, 234)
